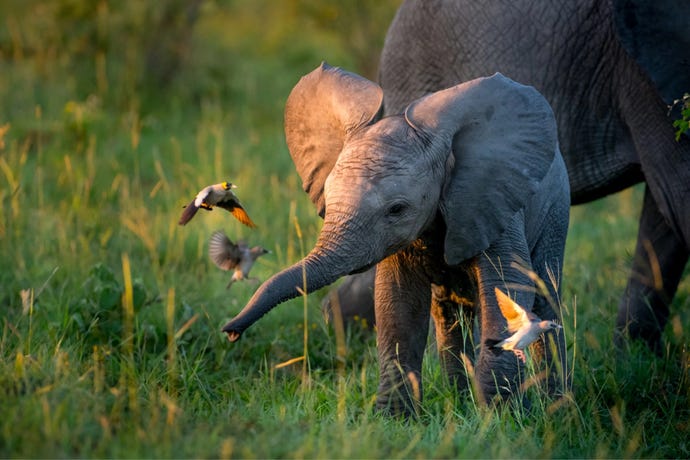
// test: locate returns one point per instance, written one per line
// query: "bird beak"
(233, 186)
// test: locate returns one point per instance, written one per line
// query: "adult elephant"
(609, 69)
(464, 193)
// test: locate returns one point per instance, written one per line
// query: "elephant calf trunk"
(283, 286)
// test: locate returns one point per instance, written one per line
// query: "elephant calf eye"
(396, 209)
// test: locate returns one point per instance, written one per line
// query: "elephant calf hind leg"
(453, 320)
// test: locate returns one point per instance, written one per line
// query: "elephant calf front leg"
(499, 373)
(402, 320)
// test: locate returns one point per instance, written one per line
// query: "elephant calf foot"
(460, 381)
(499, 377)
(400, 397)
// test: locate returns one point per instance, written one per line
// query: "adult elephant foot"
(660, 258)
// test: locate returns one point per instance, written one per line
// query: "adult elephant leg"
(402, 321)
(453, 320)
(660, 258)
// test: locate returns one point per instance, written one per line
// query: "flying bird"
(230, 256)
(220, 195)
(525, 327)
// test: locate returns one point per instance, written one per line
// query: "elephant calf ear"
(323, 109)
(504, 139)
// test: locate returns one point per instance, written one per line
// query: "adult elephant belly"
(599, 154)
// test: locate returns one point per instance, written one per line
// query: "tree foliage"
(119, 48)
(682, 124)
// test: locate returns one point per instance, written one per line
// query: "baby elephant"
(463, 192)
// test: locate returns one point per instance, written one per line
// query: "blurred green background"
(115, 114)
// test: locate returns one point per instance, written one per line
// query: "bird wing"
(237, 210)
(223, 252)
(202, 196)
(189, 212)
(199, 202)
(515, 315)
(241, 215)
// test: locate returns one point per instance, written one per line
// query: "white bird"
(228, 255)
(525, 327)
(220, 195)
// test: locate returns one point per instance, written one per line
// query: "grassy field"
(110, 312)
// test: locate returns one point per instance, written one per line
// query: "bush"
(683, 123)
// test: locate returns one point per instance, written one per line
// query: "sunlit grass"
(154, 377)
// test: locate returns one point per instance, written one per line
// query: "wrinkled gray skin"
(609, 69)
(447, 199)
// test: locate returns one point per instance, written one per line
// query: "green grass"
(110, 312)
